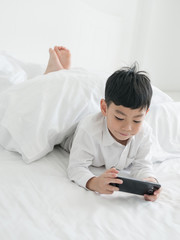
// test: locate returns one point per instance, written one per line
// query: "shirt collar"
(107, 138)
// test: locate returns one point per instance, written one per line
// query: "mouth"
(124, 134)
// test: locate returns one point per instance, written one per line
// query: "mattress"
(38, 201)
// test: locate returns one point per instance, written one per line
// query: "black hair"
(129, 87)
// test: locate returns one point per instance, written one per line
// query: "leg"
(54, 63)
(64, 56)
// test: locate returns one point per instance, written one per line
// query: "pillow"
(38, 114)
(31, 69)
(159, 96)
(14, 71)
(10, 72)
(164, 119)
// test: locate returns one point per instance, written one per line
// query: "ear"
(103, 107)
(147, 111)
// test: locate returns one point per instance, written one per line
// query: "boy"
(116, 137)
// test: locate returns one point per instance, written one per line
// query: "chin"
(122, 138)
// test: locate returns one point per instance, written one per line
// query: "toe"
(50, 50)
(56, 48)
(61, 48)
(57, 51)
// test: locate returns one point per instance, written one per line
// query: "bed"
(37, 199)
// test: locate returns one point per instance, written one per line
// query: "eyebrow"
(118, 111)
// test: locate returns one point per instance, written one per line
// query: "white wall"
(98, 40)
(157, 41)
(163, 44)
(101, 34)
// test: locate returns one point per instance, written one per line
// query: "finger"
(156, 193)
(150, 179)
(154, 196)
(116, 180)
(159, 190)
(151, 198)
(107, 192)
(110, 175)
(112, 188)
(147, 199)
(113, 170)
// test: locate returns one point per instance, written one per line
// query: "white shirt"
(93, 145)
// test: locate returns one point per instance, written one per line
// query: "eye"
(137, 121)
(120, 119)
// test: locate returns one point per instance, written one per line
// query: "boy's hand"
(101, 184)
(153, 197)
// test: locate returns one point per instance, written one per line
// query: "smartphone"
(135, 186)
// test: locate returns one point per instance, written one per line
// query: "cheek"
(112, 124)
(136, 128)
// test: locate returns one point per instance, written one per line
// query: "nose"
(127, 126)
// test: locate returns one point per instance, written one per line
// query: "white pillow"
(39, 113)
(14, 71)
(10, 72)
(159, 96)
(164, 119)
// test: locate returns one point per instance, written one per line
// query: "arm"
(82, 155)
(142, 166)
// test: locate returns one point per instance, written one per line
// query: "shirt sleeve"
(81, 157)
(142, 166)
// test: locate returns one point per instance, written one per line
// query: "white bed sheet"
(38, 201)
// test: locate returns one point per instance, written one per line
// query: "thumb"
(113, 170)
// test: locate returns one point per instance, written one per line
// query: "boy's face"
(122, 122)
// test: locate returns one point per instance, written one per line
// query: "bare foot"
(54, 63)
(64, 56)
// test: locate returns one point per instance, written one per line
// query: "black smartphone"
(135, 186)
